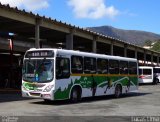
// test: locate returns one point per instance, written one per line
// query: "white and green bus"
(57, 74)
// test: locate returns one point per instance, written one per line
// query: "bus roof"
(87, 54)
(145, 67)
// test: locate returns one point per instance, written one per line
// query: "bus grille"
(35, 94)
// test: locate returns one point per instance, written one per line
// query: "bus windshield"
(38, 70)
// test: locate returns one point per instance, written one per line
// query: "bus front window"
(38, 70)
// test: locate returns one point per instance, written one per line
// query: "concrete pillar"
(125, 50)
(37, 33)
(69, 41)
(144, 57)
(158, 60)
(94, 45)
(112, 43)
(136, 53)
(151, 58)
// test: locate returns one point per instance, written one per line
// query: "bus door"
(157, 72)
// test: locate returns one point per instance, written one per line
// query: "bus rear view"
(145, 74)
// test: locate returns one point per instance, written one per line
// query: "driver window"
(62, 68)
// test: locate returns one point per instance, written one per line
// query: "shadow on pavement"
(11, 95)
(148, 84)
(89, 99)
(75, 119)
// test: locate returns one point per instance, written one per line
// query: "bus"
(148, 74)
(145, 74)
(58, 74)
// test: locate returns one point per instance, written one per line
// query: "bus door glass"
(62, 68)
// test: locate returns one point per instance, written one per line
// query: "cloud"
(30, 5)
(128, 13)
(93, 9)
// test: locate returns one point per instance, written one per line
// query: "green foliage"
(156, 46)
(148, 43)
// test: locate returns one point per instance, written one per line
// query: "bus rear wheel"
(118, 91)
(155, 81)
(75, 95)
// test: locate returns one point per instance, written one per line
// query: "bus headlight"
(48, 88)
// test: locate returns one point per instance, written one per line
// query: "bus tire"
(118, 91)
(47, 101)
(75, 94)
(155, 82)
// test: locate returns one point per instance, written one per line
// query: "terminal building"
(21, 30)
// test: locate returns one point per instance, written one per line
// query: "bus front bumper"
(39, 95)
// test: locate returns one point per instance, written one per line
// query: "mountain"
(130, 36)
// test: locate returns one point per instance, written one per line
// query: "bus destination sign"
(32, 54)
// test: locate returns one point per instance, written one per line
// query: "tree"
(148, 43)
(156, 46)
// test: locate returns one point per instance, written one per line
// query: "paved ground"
(144, 103)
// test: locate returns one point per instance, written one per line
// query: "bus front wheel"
(47, 101)
(118, 91)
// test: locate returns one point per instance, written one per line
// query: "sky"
(124, 14)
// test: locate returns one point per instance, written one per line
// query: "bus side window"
(89, 65)
(123, 67)
(113, 66)
(77, 64)
(132, 67)
(102, 66)
(62, 68)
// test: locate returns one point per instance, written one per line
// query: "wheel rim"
(74, 95)
(118, 91)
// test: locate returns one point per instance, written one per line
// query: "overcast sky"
(125, 14)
